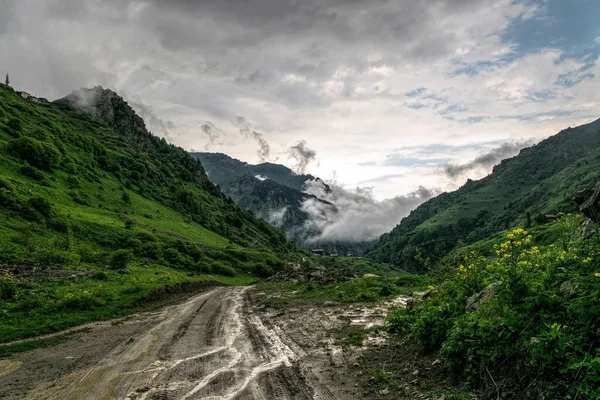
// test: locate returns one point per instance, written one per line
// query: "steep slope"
(276, 193)
(85, 171)
(520, 190)
(98, 214)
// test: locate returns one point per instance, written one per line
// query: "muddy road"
(216, 345)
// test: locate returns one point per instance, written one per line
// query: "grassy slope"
(72, 215)
(541, 179)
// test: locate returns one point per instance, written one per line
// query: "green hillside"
(540, 180)
(87, 192)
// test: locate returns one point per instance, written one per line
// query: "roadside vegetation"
(359, 290)
(521, 322)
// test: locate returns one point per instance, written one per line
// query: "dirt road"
(214, 346)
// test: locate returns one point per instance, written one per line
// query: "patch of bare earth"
(220, 344)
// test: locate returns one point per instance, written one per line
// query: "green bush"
(8, 286)
(41, 205)
(31, 172)
(535, 310)
(120, 259)
(40, 154)
(151, 250)
(80, 300)
(222, 268)
(54, 256)
(177, 259)
(14, 127)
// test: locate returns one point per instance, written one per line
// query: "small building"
(318, 252)
(24, 95)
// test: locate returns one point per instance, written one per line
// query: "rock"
(370, 276)
(591, 206)
(436, 362)
(124, 271)
(415, 372)
(586, 230)
(384, 392)
(69, 358)
(486, 294)
(566, 289)
(534, 340)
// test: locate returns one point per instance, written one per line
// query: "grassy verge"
(361, 290)
(52, 305)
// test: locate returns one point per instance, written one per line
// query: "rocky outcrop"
(588, 201)
(486, 294)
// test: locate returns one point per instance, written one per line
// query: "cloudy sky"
(390, 95)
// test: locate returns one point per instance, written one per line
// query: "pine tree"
(7, 80)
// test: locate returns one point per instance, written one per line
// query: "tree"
(7, 81)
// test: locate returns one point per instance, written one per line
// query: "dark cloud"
(303, 156)
(487, 160)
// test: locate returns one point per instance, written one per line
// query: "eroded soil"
(212, 346)
(225, 343)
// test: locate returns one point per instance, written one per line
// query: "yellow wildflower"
(597, 274)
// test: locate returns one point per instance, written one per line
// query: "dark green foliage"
(41, 205)
(40, 154)
(8, 286)
(120, 259)
(223, 268)
(14, 127)
(31, 172)
(529, 317)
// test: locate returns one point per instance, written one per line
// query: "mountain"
(541, 179)
(277, 194)
(85, 165)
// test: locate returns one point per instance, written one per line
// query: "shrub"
(54, 256)
(29, 171)
(177, 259)
(80, 300)
(222, 268)
(151, 250)
(41, 205)
(120, 259)
(263, 270)
(100, 276)
(14, 127)
(8, 286)
(40, 154)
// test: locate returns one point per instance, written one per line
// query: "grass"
(53, 305)
(361, 290)
(9, 350)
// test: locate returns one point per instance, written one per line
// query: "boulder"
(370, 276)
(486, 294)
(566, 289)
(590, 207)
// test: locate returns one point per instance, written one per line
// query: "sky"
(388, 96)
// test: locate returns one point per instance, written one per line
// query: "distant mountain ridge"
(540, 179)
(276, 193)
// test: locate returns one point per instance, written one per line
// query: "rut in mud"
(212, 346)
